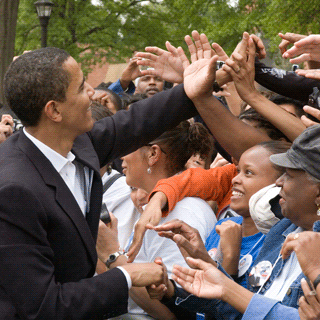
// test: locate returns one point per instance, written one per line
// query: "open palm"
(199, 77)
(205, 282)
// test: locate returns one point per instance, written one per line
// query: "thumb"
(198, 264)
(158, 260)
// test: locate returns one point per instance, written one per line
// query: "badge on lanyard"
(244, 264)
(260, 273)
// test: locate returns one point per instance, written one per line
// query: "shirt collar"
(56, 159)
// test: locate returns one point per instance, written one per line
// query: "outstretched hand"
(307, 49)
(241, 69)
(287, 39)
(166, 64)
(187, 239)
(149, 218)
(132, 71)
(199, 76)
(204, 280)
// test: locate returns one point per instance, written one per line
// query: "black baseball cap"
(304, 153)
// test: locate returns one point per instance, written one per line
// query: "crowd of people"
(187, 189)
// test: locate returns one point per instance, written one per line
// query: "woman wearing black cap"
(274, 283)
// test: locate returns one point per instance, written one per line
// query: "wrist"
(222, 77)
(203, 100)
(124, 83)
(161, 199)
(313, 275)
(170, 292)
(253, 96)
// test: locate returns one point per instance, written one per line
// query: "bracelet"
(316, 282)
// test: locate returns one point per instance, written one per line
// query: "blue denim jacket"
(259, 307)
(117, 88)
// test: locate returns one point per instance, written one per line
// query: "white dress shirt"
(71, 173)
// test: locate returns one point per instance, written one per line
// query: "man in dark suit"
(51, 190)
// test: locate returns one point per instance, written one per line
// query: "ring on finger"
(312, 293)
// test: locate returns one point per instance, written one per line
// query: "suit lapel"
(64, 196)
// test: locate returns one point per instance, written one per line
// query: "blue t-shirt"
(250, 245)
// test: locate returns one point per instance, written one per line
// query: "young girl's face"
(255, 171)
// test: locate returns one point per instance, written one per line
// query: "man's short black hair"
(33, 79)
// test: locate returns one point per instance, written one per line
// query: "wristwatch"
(112, 258)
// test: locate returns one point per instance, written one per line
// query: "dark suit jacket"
(47, 246)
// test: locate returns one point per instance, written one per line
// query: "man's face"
(298, 197)
(149, 85)
(76, 110)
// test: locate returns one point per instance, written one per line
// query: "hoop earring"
(318, 211)
(149, 172)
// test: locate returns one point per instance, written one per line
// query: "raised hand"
(131, 72)
(241, 69)
(167, 64)
(187, 239)
(199, 76)
(260, 48)
(204, 280)
(307, 49)
(287, 39)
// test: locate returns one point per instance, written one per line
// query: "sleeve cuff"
(128, 278)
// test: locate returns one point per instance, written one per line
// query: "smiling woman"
(277, 281)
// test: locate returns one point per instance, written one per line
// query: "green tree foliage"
(110, 30)
(114, 29)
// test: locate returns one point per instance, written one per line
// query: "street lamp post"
(44, 8)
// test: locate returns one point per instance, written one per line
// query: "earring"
(149, 171)
(318, 211)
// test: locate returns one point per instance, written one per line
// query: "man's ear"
(153, 155)
(51, 110)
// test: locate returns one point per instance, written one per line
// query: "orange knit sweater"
(213, 184)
